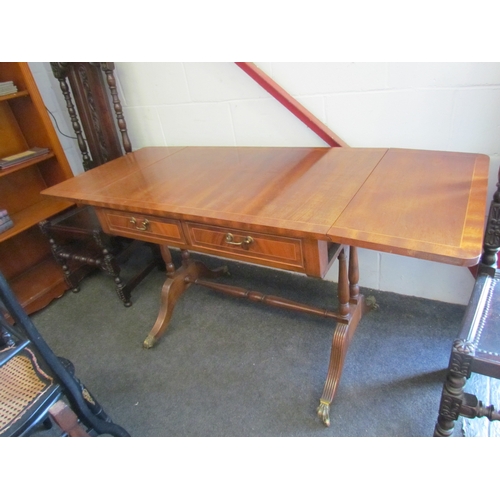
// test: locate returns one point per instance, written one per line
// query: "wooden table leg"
(175, 285)
(353, 311)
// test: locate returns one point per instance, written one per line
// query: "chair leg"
(67, 420)
(449, 408)
(473, 408)
(452, 397)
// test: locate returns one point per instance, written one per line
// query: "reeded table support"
(353, 310)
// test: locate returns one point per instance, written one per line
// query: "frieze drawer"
(143, 227)
(246, 245)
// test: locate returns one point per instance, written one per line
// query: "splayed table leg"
(175, 285)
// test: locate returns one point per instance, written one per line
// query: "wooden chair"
(77, 241)
(477, 348)
(36, 386)
(80, 246)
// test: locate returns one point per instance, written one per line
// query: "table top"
(424, 204)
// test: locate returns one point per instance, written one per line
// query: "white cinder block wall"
(440, 106)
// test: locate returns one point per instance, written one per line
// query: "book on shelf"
(6, 226)
(7, 88)
(16, 159)
(5, 221)
(3, 215)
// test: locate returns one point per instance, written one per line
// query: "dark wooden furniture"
(477, 347)
(25, 257)
(38, 387)
(76, 237)
(298, 209)
(80, 246)
(90, 113)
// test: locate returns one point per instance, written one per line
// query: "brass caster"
(149, 342)
(371, 303)
(324, 413)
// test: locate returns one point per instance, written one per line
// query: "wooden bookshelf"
(26, 260)
(32, 215)
(14, 96)
(25, 164)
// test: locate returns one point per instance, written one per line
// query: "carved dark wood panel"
(92, 86)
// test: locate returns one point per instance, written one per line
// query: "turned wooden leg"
(167, 258)
(343, 286)
(343, 331)
(452, 395)
(177, 282)
(353, 275)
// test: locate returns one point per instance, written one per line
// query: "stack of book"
(11, 161)
(7, 88)
(5, 221)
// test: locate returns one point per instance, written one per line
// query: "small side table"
(80, 246)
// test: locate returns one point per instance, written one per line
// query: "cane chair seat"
(24, 387)
(36, 386)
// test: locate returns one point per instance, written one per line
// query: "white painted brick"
(493, 177)
(314, 104)
(207, 124)
(144, 127)
(219, 82)
(476, 121)
(44, 82)
(68, 136)
(38, 71)
(52, 97)
(74, 157)
(265, 122)
(329, 77)
(407, 119)
(148, 84)
(435, 74)
(420, 278)
(369, 269)
(266, 67)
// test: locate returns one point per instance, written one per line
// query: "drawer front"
(142, 227)
(250, 246)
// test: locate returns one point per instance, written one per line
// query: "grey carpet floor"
(230, 367)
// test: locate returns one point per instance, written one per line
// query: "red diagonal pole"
(291, 104)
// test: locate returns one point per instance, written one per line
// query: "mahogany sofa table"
(298, 209)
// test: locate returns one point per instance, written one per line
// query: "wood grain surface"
(424, 204)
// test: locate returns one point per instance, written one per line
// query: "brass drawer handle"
(142, 227)
(230, 239)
